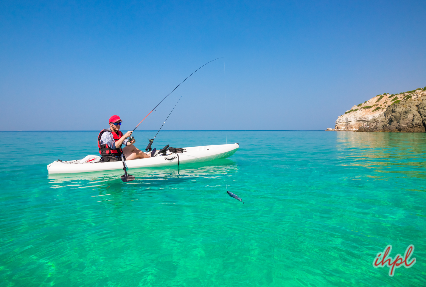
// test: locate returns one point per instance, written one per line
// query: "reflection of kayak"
(189, 155)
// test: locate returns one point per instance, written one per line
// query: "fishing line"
(166, 119)
(172, 92)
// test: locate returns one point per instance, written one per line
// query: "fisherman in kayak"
(110, 142)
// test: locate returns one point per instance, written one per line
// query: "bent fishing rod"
(148, 148)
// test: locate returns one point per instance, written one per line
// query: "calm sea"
(318, 208)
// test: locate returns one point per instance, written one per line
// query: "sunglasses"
(117, 124)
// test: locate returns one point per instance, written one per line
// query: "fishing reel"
(148, 147)
(131, 138)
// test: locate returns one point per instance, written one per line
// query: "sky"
(284, 65)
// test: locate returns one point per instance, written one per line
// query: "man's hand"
(128, 134)
(131, 142)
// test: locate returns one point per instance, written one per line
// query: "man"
(110, 142)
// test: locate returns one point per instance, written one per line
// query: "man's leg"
(131, 152)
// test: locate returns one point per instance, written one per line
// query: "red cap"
(114, 119)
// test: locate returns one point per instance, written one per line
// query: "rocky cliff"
(403, 112)
(409, 116)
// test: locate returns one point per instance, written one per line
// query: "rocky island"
(403, 112)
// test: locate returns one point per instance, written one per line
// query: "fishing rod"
(148, 148)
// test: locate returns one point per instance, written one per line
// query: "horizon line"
(156, 130)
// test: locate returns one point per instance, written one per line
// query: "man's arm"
(122, 139)
(108, 139)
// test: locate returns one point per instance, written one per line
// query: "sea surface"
(318, 208)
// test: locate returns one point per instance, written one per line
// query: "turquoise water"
(318, 208)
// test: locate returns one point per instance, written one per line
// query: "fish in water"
(235, 196)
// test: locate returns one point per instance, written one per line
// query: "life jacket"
(107, 151)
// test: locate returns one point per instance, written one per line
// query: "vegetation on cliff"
(393, 98)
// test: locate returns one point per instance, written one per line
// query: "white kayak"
(190, 154)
